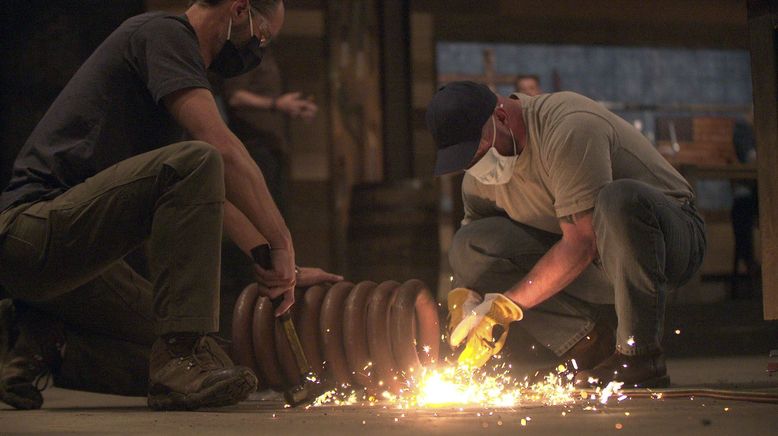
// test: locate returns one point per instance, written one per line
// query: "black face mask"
(231, 61)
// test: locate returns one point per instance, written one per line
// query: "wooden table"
(735, 171)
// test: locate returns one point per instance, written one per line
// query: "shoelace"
(44, 373)
(47, 378)
(194, 360)
(221, 343)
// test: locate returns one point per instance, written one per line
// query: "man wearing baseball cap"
(566, 206)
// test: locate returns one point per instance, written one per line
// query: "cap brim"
(456, 157)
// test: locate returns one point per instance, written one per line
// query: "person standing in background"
(745, 209)
(528, 84)
(257, 110)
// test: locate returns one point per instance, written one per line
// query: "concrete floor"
(721, 346)
(76, 412)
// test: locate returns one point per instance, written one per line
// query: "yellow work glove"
(461, 302)
(481, 344)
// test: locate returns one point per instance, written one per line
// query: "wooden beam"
(396, 89)
(505, 29)
(763, 34)
(670, 23)
(489, 77)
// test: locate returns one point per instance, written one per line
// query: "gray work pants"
(65, 257)
(648, 244)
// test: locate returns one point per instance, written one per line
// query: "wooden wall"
(688, 23)
(763, 29)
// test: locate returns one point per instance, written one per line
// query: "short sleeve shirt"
(574, 147)
(111, 109)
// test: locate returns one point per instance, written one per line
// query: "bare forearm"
(247, 191)
(555, 270)
(250, 100)
(245, 186)
(240, 229)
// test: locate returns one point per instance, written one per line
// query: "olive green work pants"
(65, 257)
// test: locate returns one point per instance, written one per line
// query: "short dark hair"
(265, 7)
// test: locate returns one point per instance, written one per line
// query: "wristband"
(261, 256)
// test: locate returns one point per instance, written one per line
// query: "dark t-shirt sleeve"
(166, 56)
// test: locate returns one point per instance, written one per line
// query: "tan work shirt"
(574, 147)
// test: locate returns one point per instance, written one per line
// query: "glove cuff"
(506, 310)
(457, 298)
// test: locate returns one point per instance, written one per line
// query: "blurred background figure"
(257, 110)
(528, 84)
(744, 213)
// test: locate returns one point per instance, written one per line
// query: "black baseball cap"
(455, 117)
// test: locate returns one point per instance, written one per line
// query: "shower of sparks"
(609, 391)
(450, 386)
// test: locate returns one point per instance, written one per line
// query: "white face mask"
(494, 168)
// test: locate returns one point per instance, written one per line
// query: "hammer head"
(297, 395)
(306, 391)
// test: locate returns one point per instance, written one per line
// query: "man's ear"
(500, 113)
(238, 7)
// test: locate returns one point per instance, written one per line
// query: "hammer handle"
(261, 256)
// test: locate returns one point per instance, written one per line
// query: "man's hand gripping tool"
(310, 381)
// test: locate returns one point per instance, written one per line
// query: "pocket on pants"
(23, 249)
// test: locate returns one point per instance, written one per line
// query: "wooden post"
(396, 89)
(489, 77)
(762, 19)
(355, 108)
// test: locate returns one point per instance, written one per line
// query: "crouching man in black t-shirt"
(103, 172)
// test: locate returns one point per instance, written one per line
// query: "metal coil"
(369, 335)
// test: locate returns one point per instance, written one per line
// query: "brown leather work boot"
(33, 344)
(586, 354)
(189, 371)
(648, 371)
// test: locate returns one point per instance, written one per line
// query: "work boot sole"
(23, 396)
(224, 393)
